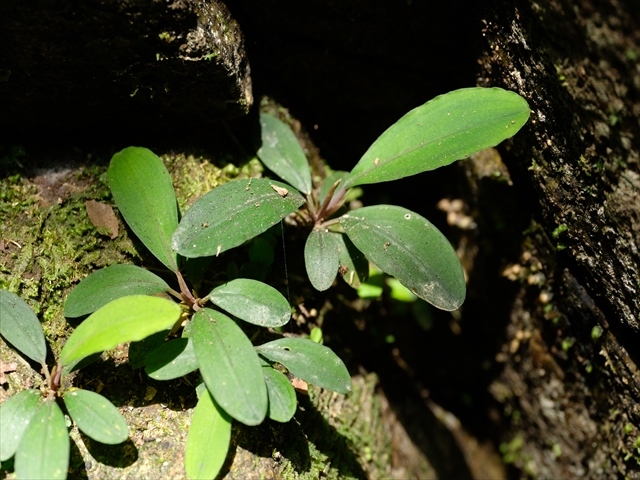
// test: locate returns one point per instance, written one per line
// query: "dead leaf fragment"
(103, 218)
(300, 386)
(6, 368)
(283, 192)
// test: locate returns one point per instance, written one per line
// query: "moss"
(49, 244)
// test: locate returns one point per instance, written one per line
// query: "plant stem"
(187, 297)
(332, 203)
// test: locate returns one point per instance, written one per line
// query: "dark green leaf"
(231, 214)
(282, 154)
(208, 439)
(96, 416)
(448, 128)
(354, 266)
(252, 301)
(139, 351)
(322, 258)
(44, 449)
(309, 361)
(173, 359)
(142, 189)
(125, 319)
(15, 415)
(109, 283)
(405, 245)
(20, 326)
(282, 396)
(229, 366)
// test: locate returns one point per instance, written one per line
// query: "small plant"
(33, 426)
(398, 241)
(240, 381)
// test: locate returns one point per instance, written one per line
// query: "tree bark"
(103, 70)
(569, 382)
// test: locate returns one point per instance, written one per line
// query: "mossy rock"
(49, 243)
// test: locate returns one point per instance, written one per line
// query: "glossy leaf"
(448, 128)
(109, 283)
(309, 361)
(282, 154)
(208, 439)
(15, 414)
(125, 319)
(233, 213)
(322, 258)
(142, 189)
(44, 449)
(282, 396)
(173, 359)
(229, 366)
(407, 246)
(20, 326)
(96, 416)
(354, 266)
(252, 301)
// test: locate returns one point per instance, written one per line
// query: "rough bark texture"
(108, 68)
(570, 382)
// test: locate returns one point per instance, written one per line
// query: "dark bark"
(571, 394)
(109, 70)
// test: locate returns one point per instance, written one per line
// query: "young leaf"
(309, 361)
(282, 154)
(252, 301)
(328, 182)
(448, 128)
(231, 214)
(20, 326)
(172, 359)
(208, 439)
(354, 266)
(109, 283)
(96, 416)
(405, 245)
(15, 415)
(229, 366)
(44, 449)
(282, 396)
(322, 258)
(125, 319)
(142, 189)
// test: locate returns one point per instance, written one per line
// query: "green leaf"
(309, 361)
(448, 128)
(322, 258)
(96, 416)
(231, 214)
(354, 266)
(208, 439)
(142, 189)
(125, 319)
(252, 301)
(229, 366)
(109, 283)
(15, 415)
(407, 246)
(20, 326)
(172, 359)
(282, 396)
(44, 449)
(282, 154)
